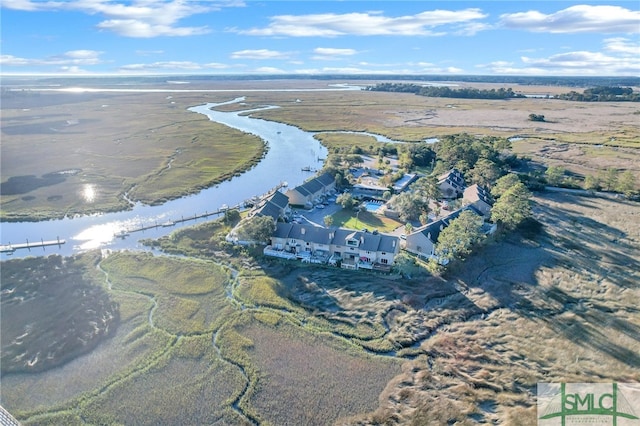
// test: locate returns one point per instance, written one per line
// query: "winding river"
(290, 149)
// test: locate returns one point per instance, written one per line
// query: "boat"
(168, 224)
(308, 169)
(224, 207)
(122, 234)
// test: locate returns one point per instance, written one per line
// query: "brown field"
(303, 344)
(277, 342)
(86, 150)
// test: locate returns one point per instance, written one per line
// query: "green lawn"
(347, 219)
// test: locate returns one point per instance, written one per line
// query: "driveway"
(316, 216)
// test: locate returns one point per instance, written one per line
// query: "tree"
(457, 239)
(231, 216)
(627, 184)
(513, 207)
(554, 175)
(610, 179)
(409, 205)
(427, 187)
(485, 172)
(259, 228)
(345, 200)
(591, 183)
(328, 221)
(504, 183)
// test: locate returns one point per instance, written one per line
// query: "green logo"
(588, 403)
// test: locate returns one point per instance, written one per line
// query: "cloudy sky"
(320, 37)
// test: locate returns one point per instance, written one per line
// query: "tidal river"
(290, 149)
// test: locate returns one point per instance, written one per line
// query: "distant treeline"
(445, 91)
(567, 81)
(603, 94)
(594, 94)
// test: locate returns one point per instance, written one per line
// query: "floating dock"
(10, 248)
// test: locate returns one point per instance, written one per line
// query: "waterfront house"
(478, 197)
(275, 205)
(310, 191)
(336, 246)
(422, 241)
(451, 184)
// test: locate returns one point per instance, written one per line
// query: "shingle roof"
(453, 176)
(476, 192)
(338, 236)
(432, 230)
(315, 185)
(326, 179)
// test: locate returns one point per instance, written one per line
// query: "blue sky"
(325, 37)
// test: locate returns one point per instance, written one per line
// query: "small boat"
(224, 207)
(308, 169)
(122, 234)
(168, 224)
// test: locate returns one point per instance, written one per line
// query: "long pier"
(10, 248)
(170, 223)
(125, 232)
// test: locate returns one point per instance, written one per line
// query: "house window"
(384, 261)
(307, 243)
(384, 254)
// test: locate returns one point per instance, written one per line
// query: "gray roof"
(279, 199)
(326, 179)
(315, 185)
(432, 230)
(272, 205)
(453, 176)
(337, 236)
(477, 192)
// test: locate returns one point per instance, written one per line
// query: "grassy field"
(87, 150)
(365, 219)
(220, 335)
(275, 341)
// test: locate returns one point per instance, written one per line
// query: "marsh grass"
(120, 142)
(299, 371)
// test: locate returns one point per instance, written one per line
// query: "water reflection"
(88, 193)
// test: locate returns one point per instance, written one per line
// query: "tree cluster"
(513, 205)
(603, 94)
(445, 91)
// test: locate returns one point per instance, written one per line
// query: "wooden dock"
(10, 248)
(167, 224)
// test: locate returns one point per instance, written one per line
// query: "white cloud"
(269, 70)
(140, 29)
(331, 54)
(622, 46)
(363, 24)
(570, 63)
(577, 19)
(163, 65)
(260, 54)
(334, 51)
(140, 18)
(70, 58)
(172, 66)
